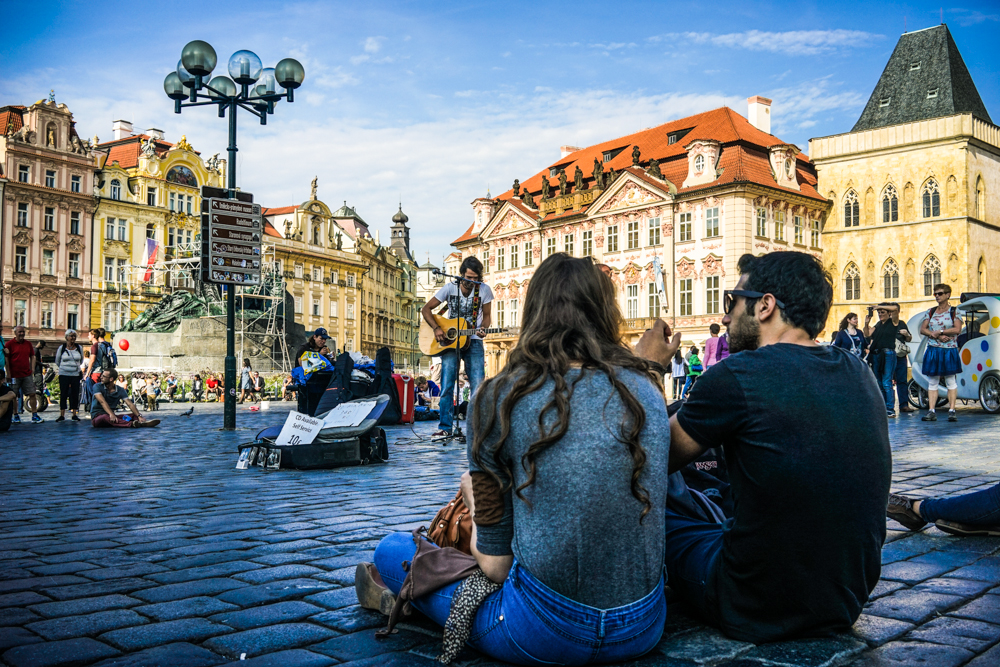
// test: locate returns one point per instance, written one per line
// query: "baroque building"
(693, 195)
(147, 221)
(913, 185)
(45, 221)
(332, 258)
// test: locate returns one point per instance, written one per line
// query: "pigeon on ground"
(188, 412)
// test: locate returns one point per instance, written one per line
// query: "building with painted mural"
(913, 185)
(148, 215)
(330, 257)
(47, 202)
(695, 193)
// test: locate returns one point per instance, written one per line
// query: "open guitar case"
(334, 447)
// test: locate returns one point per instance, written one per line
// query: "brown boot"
(372, 591)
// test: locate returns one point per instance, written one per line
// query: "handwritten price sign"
(299, 429)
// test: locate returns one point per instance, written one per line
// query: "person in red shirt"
(20, 361)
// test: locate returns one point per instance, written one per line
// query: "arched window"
(932, 199)
(890, 278)
(116, 189)
(852, 282)
(699, 163)
(980, 199)
(981, 275)
(852, 211)
(932, 274)
(890, 205)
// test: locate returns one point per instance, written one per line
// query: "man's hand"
(657, 344)
(481, 332)
(439, 336)
(113, 417)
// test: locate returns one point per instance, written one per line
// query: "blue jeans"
(885, 379)
(475, 365)
(693, 549)
(980, 508)
(899, 375)
(691, 379)
(527, 623)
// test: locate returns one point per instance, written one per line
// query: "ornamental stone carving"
(713, 266)
(631, 274)
(630, 195)
(22, 238)
(45, 278)
(685, 268)
(599, 240)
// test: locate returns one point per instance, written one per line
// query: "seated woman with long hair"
(568, 454)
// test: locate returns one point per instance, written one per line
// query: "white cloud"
(373, 44)
(792, 42)
(357, 60)
(801, 105)
(464, 93)
(967, 17)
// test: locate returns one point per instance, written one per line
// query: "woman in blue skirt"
(941, 325)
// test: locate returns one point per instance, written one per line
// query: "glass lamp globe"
(199, 58)
(173, 87)
(289, 73)
(244, 67)
(267, 80)
(224, 85)
(186, 77)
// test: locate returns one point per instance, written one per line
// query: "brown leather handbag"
(452, 526)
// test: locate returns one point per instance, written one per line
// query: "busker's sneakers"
(372, 591)
(965, 530)
(931, 416)
(900, 508)
(952, 417)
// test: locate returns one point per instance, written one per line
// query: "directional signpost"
(231, 246)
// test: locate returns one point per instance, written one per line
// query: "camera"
(871, 309)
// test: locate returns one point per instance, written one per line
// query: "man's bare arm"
(683, 448)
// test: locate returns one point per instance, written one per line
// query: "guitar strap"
(476, 302)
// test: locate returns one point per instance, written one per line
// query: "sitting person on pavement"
(976, 513)
(426, 390)
(197, 389)
(108, 398)
(8, 403)
(802, 552)
(573, 538)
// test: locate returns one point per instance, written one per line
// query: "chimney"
(566, 150)
(121, 129)
(759, 113)
(155, 133)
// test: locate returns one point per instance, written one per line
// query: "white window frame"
(632, 301)
(712, 222)
(632, 235)
(761, 228)
(654, 231)
(686, 289)
(529, 257)
(685, 231)
(712, 293)
(587, 244)
(612, 244)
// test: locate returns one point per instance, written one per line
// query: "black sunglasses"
(939, 293)
(729, 298)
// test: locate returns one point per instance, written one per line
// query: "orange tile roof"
(269, 230)
(744, 158)
(281, 210)
(11, 115)
(126, 151)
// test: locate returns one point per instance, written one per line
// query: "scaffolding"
(260, 322)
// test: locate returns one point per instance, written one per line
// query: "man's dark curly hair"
(798, 280)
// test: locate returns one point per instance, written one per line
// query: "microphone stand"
(456, 395)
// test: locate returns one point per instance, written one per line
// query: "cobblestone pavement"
(147, 548)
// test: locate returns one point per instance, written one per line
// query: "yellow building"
(913, 185)
(146, 188)
(322, 278)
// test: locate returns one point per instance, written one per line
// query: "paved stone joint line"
(148, 548)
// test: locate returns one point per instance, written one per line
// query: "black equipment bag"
(338, 387)
(385, 384)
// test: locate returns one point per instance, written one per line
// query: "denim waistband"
(580, 614)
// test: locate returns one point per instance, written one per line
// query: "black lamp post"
(197, 61)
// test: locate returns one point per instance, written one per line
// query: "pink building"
(45, 220)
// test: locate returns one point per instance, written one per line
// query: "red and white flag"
(149, 258)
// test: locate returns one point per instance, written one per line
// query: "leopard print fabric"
(464, 605)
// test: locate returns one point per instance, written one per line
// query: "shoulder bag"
(452, 526)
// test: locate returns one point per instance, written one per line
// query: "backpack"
(385, 384)
(338, 390)
(106, 357)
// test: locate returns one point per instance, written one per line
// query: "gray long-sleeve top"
(581, 535)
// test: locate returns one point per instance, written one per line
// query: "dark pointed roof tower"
(401, 235)
(925, 78)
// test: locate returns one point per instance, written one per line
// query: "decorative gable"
(627, 195)
(507, 222)
(703, 158)
(783, 165)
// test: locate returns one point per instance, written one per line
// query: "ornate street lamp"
(198, 60)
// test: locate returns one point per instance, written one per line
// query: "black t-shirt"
(5, 420)
(884, 335)
(806, 441)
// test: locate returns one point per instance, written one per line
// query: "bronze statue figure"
(611, 177)
(598, 174)
(517, 188)
(654, 169)
(562, 181)
(635, 156)
(545, 187)
(578, 179)
(527, 199)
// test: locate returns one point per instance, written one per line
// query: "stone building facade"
(46, 215)
(147, 188)
(694, 194)
(913, 185)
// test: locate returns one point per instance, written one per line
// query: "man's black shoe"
(900, 508)
(952, 417)
(929, 417)
(965, 530)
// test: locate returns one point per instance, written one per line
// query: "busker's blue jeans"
(474, 360)
(888, 361)
(693, 549)
(527, 623)
(980, 508)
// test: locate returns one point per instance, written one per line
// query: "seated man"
(809, 479)
(171, 387)
(426, 390)
(256, 386)
(108, 398)
(8, 403)
(286, 393)
(197, 389)
(213, 386)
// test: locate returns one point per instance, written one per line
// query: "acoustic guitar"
(453, 328)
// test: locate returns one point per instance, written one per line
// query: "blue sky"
(432, 103)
